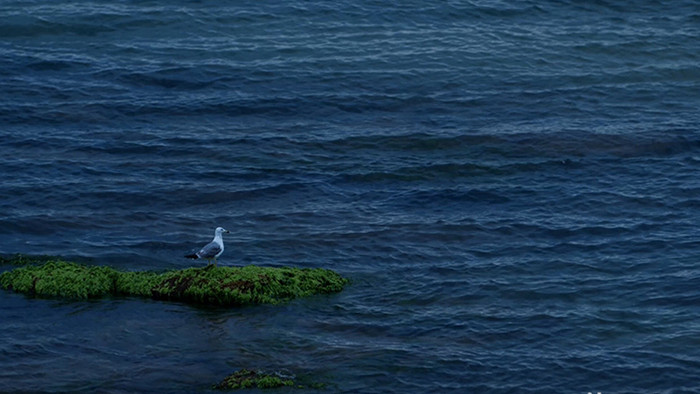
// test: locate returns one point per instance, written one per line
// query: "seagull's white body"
(213, 249)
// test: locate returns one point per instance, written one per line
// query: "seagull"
(213, 249)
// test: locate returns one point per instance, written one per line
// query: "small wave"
(437, 197)
(37, 27)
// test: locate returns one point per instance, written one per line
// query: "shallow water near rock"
(511, 187)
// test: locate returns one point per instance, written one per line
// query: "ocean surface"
(512, 187)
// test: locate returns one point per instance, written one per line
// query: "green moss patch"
(248, 378)
(208, 285)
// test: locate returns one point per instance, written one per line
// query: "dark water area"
(513, 188)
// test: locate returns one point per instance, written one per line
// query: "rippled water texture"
(511, 186)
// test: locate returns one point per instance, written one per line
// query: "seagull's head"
(221, 230)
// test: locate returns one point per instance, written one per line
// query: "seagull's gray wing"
(209, 251)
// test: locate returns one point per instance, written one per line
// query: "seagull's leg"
(214, 261)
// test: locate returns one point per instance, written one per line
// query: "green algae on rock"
(208, 285)
(247, 378)
(251, 378)
(245, 285)
(60, 279)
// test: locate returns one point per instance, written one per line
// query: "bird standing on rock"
(213, 249)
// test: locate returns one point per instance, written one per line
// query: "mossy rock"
(210, 285)
(248, 378)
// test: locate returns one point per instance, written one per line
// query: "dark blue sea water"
(513, 188)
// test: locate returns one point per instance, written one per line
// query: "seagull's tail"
(192, 256)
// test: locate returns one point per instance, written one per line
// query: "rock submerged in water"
(224, 286)
(248, 378)
(251, 378)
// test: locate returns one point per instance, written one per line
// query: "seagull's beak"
(227, 232)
